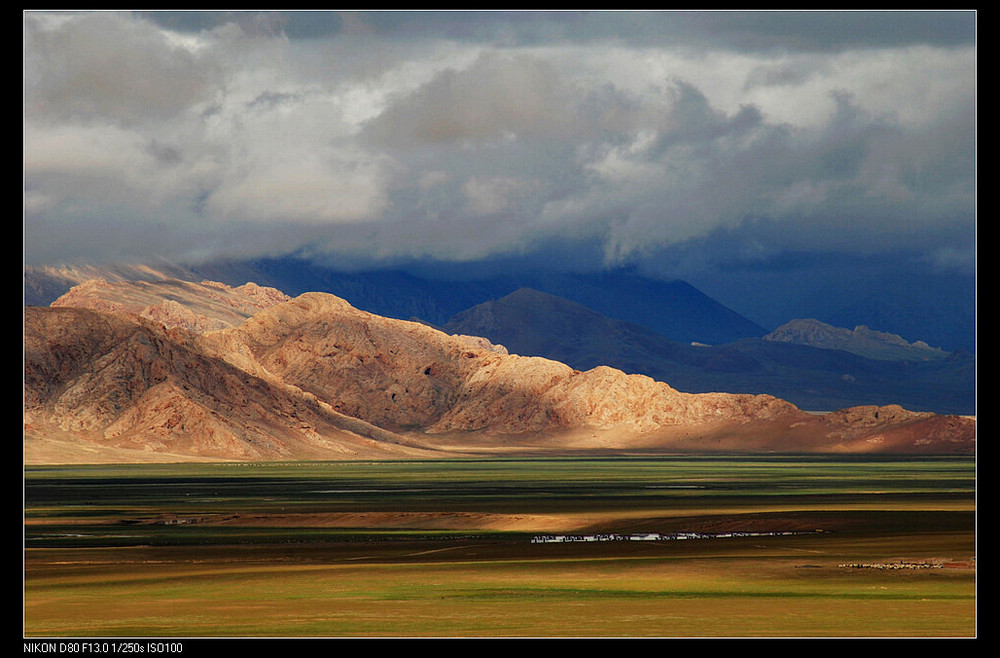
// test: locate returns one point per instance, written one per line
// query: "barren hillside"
(102, 381)
(315, 378)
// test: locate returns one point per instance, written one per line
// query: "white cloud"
(110, 67)
(310, 188)
(496, 195)
(426, 140)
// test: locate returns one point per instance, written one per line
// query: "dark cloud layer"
(736, 30)
(688, 143)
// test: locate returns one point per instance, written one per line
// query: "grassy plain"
(443, 548)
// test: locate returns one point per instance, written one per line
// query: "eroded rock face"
(114, 382)
(403, 374)
(873, 416)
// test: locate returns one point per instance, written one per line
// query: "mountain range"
(666, 330)
(812, 364)
(172, 369)
(674, 309)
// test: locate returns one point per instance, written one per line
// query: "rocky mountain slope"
(315, 378)
(98, 383)
(396, 374)
(861, 340)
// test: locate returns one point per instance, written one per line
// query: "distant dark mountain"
(673, 309)
(941, 317)
(533, 323)
(817, 378)
(900, 294)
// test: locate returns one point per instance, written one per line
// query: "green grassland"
(152, 550)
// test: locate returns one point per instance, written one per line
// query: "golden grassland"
(752, 593)
(119, 563)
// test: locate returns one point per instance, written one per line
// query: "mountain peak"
(861, 340)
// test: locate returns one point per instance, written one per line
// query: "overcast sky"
(679, 139)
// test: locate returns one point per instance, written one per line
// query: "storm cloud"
(458, 136)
